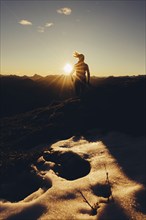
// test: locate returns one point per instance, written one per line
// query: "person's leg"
(83, 87)
(77, 87)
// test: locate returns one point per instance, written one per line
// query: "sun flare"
(67, 68)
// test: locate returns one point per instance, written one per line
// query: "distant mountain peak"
(36, 77)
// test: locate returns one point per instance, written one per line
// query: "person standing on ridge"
(80, 69)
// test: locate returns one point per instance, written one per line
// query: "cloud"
(65, 11)
(49, 24)
(25, 22)
(41, 29)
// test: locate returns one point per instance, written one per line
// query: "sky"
(39, 37)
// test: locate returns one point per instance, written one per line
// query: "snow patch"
(78, 179)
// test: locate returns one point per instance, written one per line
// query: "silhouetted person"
(81, 69)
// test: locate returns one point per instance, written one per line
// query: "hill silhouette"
(21, 94)
(110, 104)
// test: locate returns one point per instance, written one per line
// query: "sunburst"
(68, 68)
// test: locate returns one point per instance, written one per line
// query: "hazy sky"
(39, 37)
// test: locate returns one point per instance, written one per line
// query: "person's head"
(79, 56)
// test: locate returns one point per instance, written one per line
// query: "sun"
(67, 68)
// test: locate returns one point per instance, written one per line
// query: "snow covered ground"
(84, 178)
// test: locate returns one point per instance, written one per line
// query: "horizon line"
(98, 76)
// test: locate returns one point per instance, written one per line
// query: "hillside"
(21, 94)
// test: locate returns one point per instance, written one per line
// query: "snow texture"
(83, 178)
